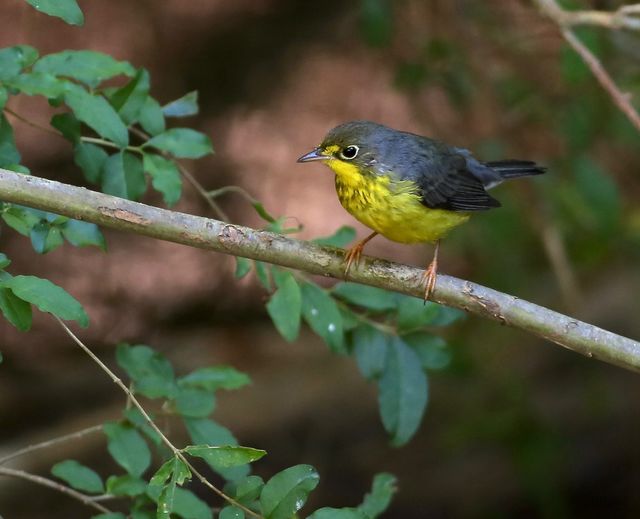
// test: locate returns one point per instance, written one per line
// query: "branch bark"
(205, 233)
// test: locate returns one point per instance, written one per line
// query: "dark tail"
(516, 168)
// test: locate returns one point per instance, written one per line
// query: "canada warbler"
(407, 187)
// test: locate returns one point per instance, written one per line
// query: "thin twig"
(621, 99)
(205, 233)
(46, 482)
(566, 19)
(50, 443)
(219, 212)
(222, 215)
(30, 123)
(625, 17)
(131, 398)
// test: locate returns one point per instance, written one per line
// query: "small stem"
(46, 482)
(130, 396)
(28, 122)
(109, 144)
(566, 19)
(49, 443)
(220, 213)
(203, 192)
(620, 99)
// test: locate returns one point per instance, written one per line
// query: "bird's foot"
(352, 256)
(429, 279)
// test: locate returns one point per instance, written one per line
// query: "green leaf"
(431, 350)
(126, 485)
(129, 100)
(225, 456)
(204, 431)
(322, 315)
(15, 310)
(4, 96)
(188, 506)
(21, 219)
(4, 261)
(402, 392)
(67, 125)
(182, 107)
(371, 298)
(243, 267)
(135, 417)
(370, 350)
(175, 469)
(128, 448)
(83, 234)
(151, 372)
(285, 307)
(246, 490)
(414, 313)
(377, 501)
(90, 159)
(151, 118)
(262, 273)
(14, 59)
(96, 112)
(341, 238)
(165, 177)
(123, 176)
(262, 212)
(8, 152)
(47, 297)
(338, 513)
(194, 402)
(39, 83)
(45, 237)
(183, 143)
(286, 492)
(231, 512)
(109, 515)
(216, 377)
(78, 476)
(447, 316)
(89, 67)
(68, 10)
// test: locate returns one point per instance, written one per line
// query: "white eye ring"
(350, 152)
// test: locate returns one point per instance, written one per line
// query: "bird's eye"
(350, 152)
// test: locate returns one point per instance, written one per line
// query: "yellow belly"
(392, 209)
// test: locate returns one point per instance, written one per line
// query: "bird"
(409, 188)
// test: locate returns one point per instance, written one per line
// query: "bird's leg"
(353, 254)
(429, 276)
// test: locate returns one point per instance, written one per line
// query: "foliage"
(123, 143)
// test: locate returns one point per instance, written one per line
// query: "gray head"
(359, 142)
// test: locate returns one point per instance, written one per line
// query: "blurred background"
(515, 427)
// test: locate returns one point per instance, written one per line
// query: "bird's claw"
(353, 256)
(429, 279)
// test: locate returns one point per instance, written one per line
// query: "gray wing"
(447, 176)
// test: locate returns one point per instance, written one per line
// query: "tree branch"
(46, 482)
(625, 17)
(205, 233)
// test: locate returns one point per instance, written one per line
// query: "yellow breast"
(391, 208)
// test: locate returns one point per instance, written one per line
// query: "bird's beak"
(316, 154)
